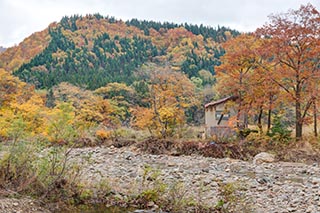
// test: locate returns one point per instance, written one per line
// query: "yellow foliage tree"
(21, 109)
(61, 124)
(171, 93)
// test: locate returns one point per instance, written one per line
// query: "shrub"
(188, 147)
(152, 187)
(279, 131)
(104, 134)
(31, 168)
(17, 171)
(231, 198)
(61, 125)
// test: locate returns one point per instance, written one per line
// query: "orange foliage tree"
(281, 61)
(121, 98)
(291, 40)
(236, 74)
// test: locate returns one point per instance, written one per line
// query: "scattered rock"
(263, 157)
(25, 205)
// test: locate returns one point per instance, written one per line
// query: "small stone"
(262, 180)
(214, 184)
(310, 209)
(15, 204)
(304, 171)
(150, 204)
(291, 209)
(296, 200)
(315, 180)
(205, 170)
(310, 172)
(171, 164)
(206, 182)
(133, 174)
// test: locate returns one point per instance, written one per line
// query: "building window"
(225, 115)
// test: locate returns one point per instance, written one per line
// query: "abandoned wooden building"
(217, 117)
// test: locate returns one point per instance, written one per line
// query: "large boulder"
(264, 157)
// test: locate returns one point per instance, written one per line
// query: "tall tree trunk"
(315, 115)
(260, 120)
(245, 119)
(240, 124)
(298, 119)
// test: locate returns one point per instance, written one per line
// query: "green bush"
(279, 131)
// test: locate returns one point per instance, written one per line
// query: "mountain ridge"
(77, 48)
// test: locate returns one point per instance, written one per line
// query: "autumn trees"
(281, 60)
(274, 69)
(236, 72)
(170, 94)
(158, 103)
(294, 41)
(92, 63)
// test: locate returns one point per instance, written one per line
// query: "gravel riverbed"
(264, 187)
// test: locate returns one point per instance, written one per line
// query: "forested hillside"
(92, 51)
(96, 70)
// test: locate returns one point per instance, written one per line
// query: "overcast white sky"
(20, 18)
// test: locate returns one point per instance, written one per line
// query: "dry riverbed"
(263, 187)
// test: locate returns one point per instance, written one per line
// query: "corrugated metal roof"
(223, 100)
